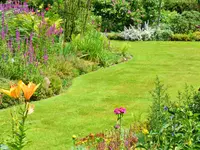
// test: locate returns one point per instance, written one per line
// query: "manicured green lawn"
(88, 105)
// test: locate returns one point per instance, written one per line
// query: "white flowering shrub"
(138, 34)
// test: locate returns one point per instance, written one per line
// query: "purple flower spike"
(45, 58)
(3, 19)
(17, 35)
(3, 34)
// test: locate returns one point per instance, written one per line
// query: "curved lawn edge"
(87, 106)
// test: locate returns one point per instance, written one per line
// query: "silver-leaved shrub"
(144, 33)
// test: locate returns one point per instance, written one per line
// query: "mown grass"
(89, 103)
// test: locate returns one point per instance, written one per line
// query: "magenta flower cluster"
(120, 110)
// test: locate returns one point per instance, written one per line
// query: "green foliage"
(185, 22)
(180, 5)
(37, 3)
(195, 104)
(84, 66)
(186, 37)
(56, 84)
(196, 36)
(6, 102)
(18, 140)
(151, 10)
(177, 125)
(124, 49)
(93, 46)
(114, 36)
(75, 14)
(160, 99)
(25, 23)
(117, 14)
(163, 35)
(167, 16)
(180, 37)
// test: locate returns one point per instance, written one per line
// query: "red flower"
(47, 8)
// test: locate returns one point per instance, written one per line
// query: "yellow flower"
(29, 90)
(74, 137)
(145, 131)
(14, 91)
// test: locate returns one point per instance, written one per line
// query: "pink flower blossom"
(120, 110)
(117, 111)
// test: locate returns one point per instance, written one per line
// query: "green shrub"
(180, 5)
(160, 99)
(151, 10)
(64, 68)
(173, 125)
(117, 14)
(180, 37)
(163, 35)
(94, 46)
(185, 22)
(179, 24)
(6, 101)
(167, 16)
(84, 66)
(196, 36)
(50, 86)
(55, 84)
(114, 36)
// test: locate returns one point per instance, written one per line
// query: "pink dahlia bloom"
(122, 110)
(117, 111)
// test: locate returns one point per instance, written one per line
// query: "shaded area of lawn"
(88, 105)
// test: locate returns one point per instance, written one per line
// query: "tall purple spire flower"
(45, 57)
(31, 49)
(17, 36)
(10, 45)
(3, 34)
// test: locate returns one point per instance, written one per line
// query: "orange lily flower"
(14, 91)
(29, 90)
